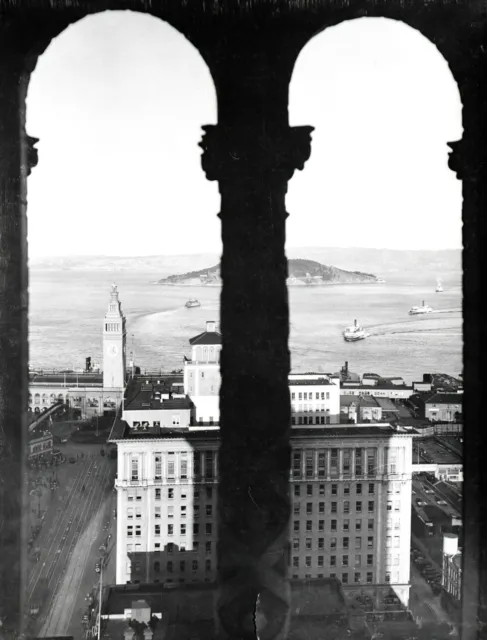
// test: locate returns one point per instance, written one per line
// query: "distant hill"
(301, 272)
(381, 261)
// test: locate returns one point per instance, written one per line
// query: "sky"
(118, 101)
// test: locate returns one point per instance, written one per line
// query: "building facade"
(444, 407)
(315, 399)
(452, 566)
(351, 488)
(202, 378)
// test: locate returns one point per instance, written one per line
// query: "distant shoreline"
(294, 284)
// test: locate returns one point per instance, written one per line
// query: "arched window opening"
(376, 209)
(117, 101)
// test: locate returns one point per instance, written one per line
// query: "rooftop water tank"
(450, 544)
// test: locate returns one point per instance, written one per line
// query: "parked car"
(97, 567)
(71, 459)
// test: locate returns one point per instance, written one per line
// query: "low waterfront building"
(379, 390)
(40, 444)
(315, 398)
(351, 492)
(360, 409)
(88, 394)
(444, 407)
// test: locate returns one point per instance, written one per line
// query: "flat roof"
(432, 451)
(445, 398)
(145, 401)
(69, 378)
(122, 431)
(308, 382)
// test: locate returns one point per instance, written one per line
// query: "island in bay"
(301, 273)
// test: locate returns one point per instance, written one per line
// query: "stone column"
(17, 157)
(253, 165)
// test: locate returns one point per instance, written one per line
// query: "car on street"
(420, 503)
(427, 489)
(441, 502)
(97, 567)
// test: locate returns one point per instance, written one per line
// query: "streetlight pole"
(99, 599)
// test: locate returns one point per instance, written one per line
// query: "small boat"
(354, 333)
(439, 288)
(380, 280)
(424, 308)
(192, 302)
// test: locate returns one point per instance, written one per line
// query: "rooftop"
(319, 601)
(163, 385)
(368, 401)
(387, 405)
(71, 379)
(445, 398)
(433, 451)
(122, 431)
(145, 401)
(209, 337)
(310, 381)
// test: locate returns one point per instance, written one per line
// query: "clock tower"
(114, 341)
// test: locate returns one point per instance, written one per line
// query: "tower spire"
(114, 293)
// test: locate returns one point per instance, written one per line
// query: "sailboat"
(439, 288)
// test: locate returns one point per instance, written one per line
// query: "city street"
(74, 527)
(423, 603)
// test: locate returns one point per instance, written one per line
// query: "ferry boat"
(439, 288)
(354, 333)
(192, 303)
(424, 308)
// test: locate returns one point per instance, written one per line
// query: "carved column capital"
(463, 160)
(32, 154)
(236, 155)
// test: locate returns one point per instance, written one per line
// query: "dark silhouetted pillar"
(253, 161)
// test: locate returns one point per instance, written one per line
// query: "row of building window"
(310, 420)
(345, 543)
(170, 512)
(320, 560)
(345, 525)
(134, 495)
(170, 548)
(334, 486)
(204, 465)
(357, 577)
(345, 507)
(333, 462)
(308, 395)
(136, 567)
(170, 529)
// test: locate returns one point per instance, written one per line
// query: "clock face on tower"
(112, 350)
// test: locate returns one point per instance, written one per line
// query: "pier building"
(89, 393)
